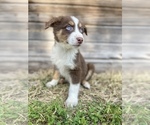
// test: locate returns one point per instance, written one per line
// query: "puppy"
(69, 63)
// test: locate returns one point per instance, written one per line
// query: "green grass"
(13, 113)
(136, 114)
(92, 113)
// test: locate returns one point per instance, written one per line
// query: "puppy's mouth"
(75, 45)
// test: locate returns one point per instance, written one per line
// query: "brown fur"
(82, 72)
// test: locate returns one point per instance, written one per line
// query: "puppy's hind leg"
(89, 74)
(55, 79)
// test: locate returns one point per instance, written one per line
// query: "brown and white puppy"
(68, 33)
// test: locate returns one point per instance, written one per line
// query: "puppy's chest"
(63, 59)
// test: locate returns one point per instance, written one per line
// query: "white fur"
(86, 85)
(72, 99)
(72, 39)
(52, 83)
(63, 57)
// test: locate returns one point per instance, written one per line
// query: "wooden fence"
(116, 29)
(103, 21)
(13, 35)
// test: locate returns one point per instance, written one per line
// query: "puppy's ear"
(52, 22)
(85, 30)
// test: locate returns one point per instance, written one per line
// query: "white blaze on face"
(72, 39)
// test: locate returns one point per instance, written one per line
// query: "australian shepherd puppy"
(69, 63)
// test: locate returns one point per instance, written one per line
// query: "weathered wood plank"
(4, 43)
(13, 66)
(86, 46)
(93, 20)
(14, 59)
(13, 49)
(44, 17)
(131, 16)
(99, 51)
(135, 64)
(99, 34)
(136, 16)
(136, 3)
(14, 1)
(82, 9)
(110, 3)
(47, 60)
(13, 52)
(103, 34)
(14, 35)
(130, 34)
(13, 26)
(89, 50)
(136, 21)
(134, 51)
(42, 12)
(93, 37)
(111, 34)
(86, 55)
(93, 11)
(13, 7)
(129, 54)
(136, 12)
(106, 3)
(111, 21)
(14, 17)
(100, 65)
(133, 55)
(90, 28)
(101, 16)
(135, 34)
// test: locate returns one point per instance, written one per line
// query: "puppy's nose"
(79, 39)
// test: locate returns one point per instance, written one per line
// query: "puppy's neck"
(65, 47)
(63, 56)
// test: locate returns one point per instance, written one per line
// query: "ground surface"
(114, 99)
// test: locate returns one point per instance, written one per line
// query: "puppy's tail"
(90, 71)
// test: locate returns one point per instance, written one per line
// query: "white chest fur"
(63, 56)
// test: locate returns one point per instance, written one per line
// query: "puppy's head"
(67, 30)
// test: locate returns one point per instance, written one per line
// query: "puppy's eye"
(81, 30)
(69, 28)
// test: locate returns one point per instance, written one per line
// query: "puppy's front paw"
(52, 83)
(71, 102)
